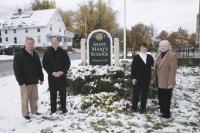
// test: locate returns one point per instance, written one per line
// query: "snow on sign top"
(28, 19)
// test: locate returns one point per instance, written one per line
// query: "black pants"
(53, 99)
(164, 97)
(140, 91)
(55, 86)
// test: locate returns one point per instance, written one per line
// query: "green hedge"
(87, 80)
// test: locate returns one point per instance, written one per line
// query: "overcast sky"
(163, 14)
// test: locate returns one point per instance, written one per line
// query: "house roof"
(28, 19)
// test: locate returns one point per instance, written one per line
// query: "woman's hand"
(152, 82)
(134, 81)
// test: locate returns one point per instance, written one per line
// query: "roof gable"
(29, 19)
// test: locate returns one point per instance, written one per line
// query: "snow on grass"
(185, 111)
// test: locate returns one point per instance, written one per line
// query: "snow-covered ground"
(185, 111)
(6, 57)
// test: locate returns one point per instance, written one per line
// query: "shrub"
(87, 80)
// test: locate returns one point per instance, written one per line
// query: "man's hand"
(54, 74)
(60, 73)
(40, 82)
(151, 82)
(134, 81)
(170, 86)
(23, 85)
(57, 74)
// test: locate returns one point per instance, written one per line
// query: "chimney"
(19, 11)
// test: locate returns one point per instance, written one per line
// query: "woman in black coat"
(141, 70)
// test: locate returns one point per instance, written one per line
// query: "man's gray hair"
(166, 43)
(29, 38)
(57, 37)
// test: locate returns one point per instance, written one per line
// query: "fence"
(187, 51)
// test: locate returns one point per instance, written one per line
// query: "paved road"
(6, 68)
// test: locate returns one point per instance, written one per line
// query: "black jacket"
(141, 71)
(54, 61)
(27, 68)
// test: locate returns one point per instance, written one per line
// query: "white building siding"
(21, 35)
(45, 24)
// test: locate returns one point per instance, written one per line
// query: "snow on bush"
(87, 80)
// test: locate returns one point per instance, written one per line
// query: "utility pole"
(124, 29)
(198, 32)
(85, 21)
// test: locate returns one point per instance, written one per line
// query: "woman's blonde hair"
(166, 43)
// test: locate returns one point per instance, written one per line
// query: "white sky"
(163, 14)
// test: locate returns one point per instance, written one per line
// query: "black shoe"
(165, 116)
(27, 117)
(142, 111)
(134, 110)
(37, 113)
(65, 111)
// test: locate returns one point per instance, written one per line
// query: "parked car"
(2, 50)
(13, 49)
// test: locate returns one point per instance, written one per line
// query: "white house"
(40, 24)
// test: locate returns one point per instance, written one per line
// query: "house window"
(26, 30)
(15, 40)
(0, 32)
(50, 28)
(38, 29)
(14, 30)
(39, 39)
(6, 39)
(6, 32)
(0, 40)
(59, 30)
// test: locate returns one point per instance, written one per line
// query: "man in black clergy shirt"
(56, 62)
